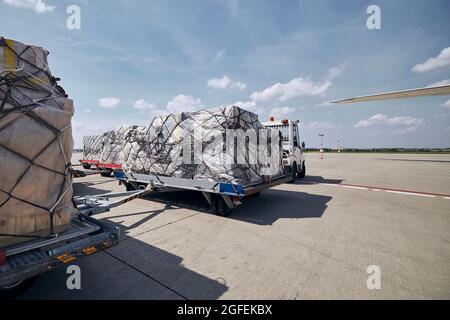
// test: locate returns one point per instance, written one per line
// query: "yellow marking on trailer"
(89, 250)
(66, 258)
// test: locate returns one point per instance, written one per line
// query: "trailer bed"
(222, 196)
(84, 236)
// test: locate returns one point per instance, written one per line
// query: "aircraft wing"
(411, 93)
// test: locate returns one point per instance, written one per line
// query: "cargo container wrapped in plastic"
(108, 148)
(117, 142)
(35, 146)
(163, 147)
(92, 147)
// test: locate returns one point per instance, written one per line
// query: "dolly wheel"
(106, 173)
(86, 166)
(220, 207)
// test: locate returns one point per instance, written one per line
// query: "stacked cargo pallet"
(35, 146)
(166, 147)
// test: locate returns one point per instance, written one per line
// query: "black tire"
(302, 173)
(294, 172)
(86, 166)
(255, 195)
(106, 173)
(16, 289)
(220, 208)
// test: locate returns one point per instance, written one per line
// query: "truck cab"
(293, 149)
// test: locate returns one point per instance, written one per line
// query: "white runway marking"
(411, 193)
(354, 187)
(390, 190)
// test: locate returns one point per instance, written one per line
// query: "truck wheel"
(16, 289)
(106, 173)
(220, 207)
(86, 166)
(302, 173)
(294, 172)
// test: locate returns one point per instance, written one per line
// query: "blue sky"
(132, 60)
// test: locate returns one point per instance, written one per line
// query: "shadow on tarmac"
(137, 270)
(131, 270)
(271, 205)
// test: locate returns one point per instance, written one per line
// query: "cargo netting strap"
(12, 94)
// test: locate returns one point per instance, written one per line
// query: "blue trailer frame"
(222, 196)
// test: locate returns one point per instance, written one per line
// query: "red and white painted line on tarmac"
(378, 189)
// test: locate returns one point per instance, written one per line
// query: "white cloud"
(446, 104)
(183, 103)
(141, 104)
(321, 125)
(219, 55)
(109, 103)
(295, 88)
(39, 6)
(281, 111)
(247, 105)
(224, 83)
(442, 60)
(335, 71)
(439, 83)
(383, 120)
(87, 110)
(406, 130)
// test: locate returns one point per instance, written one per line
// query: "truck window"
(296, 136)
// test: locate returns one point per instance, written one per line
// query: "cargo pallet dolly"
(76, 173)
(22, 263)
(104, 169)
(223, 197)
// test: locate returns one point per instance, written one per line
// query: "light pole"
(321, 135)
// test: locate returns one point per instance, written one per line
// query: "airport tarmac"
(314, 239)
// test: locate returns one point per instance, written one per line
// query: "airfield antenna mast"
(321, 135)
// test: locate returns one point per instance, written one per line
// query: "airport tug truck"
(293, 150)
(22, 263)
(223, 197)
